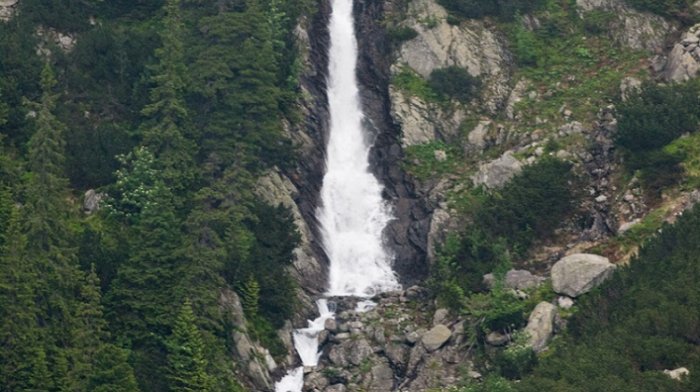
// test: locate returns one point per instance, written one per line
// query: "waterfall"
(353, 214)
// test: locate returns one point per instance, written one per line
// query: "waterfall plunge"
(353, 214)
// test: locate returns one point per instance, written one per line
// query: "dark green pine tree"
(46, 212)
(187, 367)
(46, 219)
(23, 365)
(145, 295)
(235, 80)
(165, 132)
(92, 368)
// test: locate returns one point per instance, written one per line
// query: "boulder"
(336, 388)
(578, 274)
(565, 302)
(436, 337)
(477, 136)
(677, 374)
(628, 86)
(496, 173)
(497, 339)
(7, 9)
(684, 60)
(540, 326)
(91, 201)
(516, 279)
(440, 316)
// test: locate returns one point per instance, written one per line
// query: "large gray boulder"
(7, 9)
(496, 173)
(436, 337)
(579, 273)
(540, 326)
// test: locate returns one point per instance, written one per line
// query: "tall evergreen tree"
(46, 209)
(144, 296)
(187, 367)
(23, 365)
(46, 218)
(166, 131)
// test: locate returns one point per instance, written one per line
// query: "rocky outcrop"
(91, 201)
(8, 9)
(255, 364)
(407, 234)
(436, 337)
(391, 347)
(630, 28)
(275, 189)
(678, 374)
(471, 45)
(578, 274)
(423, 122)
(496, 173)
(684, 60)
(540, 326)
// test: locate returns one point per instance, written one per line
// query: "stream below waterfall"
(353, 214)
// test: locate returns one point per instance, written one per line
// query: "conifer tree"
(23, 361)
(47, 188)
(187, 367)
(144, 296)
(166, 131)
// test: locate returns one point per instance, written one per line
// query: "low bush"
(648, 122)
(400, 34)
(454, 83)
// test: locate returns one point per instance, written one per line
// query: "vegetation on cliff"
(172, 109)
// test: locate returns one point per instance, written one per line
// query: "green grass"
(412, 83)
(569, 67)
(689, 148)
(420, 160)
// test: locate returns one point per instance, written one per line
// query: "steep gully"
(354, 214)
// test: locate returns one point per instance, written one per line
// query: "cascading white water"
(353, 214)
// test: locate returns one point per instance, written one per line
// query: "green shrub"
(497, 310)
(401, 34)
(411, 82)
(531, 205)
(518, 359)
(525, 47)
(643, 320)
(649, 121)
(454, 82)
(657, 115)
(597, 21)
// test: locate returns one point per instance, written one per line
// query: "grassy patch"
(567, 67)
(412, 83)
(422, 163)
(688, 147)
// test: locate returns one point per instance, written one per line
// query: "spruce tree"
(144, 296)
(187, 367)
(165, 132)
(46, 209)
(23, 363)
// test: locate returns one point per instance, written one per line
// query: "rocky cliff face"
(407, 234)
